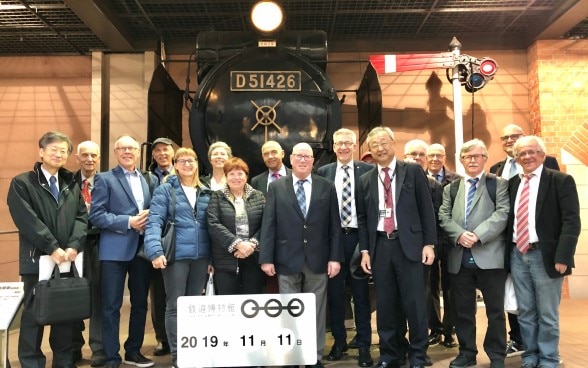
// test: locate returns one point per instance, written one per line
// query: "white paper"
(46, 266)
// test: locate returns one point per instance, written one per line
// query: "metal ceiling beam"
(565, 21)
(104, 23)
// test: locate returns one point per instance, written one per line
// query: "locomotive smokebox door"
(248, 95)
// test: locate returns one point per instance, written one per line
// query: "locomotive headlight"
(267, 16)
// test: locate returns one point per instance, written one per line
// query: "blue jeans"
(538, 298)
(182, 278)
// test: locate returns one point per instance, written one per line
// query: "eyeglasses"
(476, 157)
(346, 143)
(300, 157)
(383, 144)
(270, 153)
(512, 137)
(527, 153)
(435, 155)
(415, 154)
(185, 162)
(127, 148)
(54, 151)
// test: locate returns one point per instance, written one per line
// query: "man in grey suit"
(397, 233)
(272, 154)
(474, 220)
(300, 235)
(345, 174)
(120, 206)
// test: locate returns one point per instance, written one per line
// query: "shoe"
(76, 356)
(353, 343)
(162, 350)
(112, 365)
(138, 360)
(417, 366)
(513, 348)
(497, 363)
(387, 365)
(434, 338)
(98, 359)
(528, 365)
(336, 353)
(318, 364)
(428, 361)
(462, 361)
(365, 358)
(449, 342)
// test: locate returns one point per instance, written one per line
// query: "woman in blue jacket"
(188, 274)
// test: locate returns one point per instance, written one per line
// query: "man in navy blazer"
(508, 168)
(396, 241)
(344, 147)
(301, 238)
(272, 154)
(120, 207)
(541, 248)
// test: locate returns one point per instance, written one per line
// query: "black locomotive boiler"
(253, 90)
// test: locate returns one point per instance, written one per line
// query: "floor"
(573, 344)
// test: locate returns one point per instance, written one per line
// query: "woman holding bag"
(188, 273)
(234, 223)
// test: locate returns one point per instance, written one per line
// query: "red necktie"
(86, 195)
(389, 225)
(523, 217)
(275, 175)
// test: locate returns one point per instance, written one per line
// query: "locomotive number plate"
(266, 81)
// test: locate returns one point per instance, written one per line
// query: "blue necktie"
(513, 168)
(470, 197)
(346, 198)
(53, 187)
(301, 196)
(439, 178)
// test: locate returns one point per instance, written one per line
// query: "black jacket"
(221, 226)
(45, 225)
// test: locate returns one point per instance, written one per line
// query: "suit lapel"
(373, 187)
(146, 191)
(481, 188)
(289, 183)
(500, 167)
(544, 182)
(400, 175)
(120, 175)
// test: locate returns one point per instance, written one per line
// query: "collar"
(295, 178)
(537, 172)
(392, 166)
(47, 175)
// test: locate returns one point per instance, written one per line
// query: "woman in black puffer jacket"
(234, 222)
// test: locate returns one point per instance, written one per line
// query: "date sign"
(247, 330)
(289, 81)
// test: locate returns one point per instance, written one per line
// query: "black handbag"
(62, 299)
(168, 236)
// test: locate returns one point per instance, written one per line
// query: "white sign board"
(247, 330)
(11, 294)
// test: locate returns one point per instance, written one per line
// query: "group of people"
(413, 226)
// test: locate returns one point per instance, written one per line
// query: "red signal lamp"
(488, 67)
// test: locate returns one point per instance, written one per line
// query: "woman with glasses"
(188, 274)
(218, 153)
(234, 223)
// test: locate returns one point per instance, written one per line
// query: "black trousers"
(31, 334)
(491, 284)
(157, 298)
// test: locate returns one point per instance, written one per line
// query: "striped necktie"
(471, 192)
(301, 196)
(523, 217)
(346, 198)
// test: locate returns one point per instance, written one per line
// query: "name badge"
(387, 213)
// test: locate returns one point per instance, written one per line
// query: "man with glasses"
(397, 234)
(542, 235)
(345, 174)
(507, 169)
(300, 234)
(439, 275)
(120, 207)
(474, 219)
(272, 154)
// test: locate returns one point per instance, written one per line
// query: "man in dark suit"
(542, 235)
(474, 220)
(396, 223)
(51, 217)
(507, 169)
(88, 156)
(439, 275)
(162, 151)
(345, 174)
(272, 154)
(120, 207)
(300, 235)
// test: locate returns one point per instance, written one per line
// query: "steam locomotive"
(252, 90)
